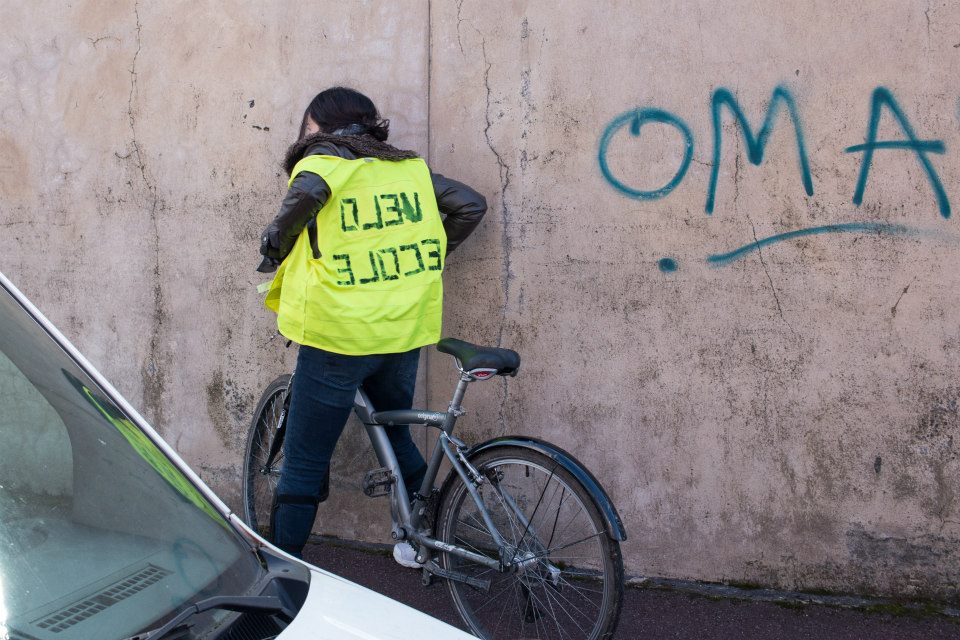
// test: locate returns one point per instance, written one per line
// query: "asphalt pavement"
(656, 613)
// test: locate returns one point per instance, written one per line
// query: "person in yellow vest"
(359, 247)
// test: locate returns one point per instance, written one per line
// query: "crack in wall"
(504, 174)
(459, 22)
(153, 375)
(893, 309)
(766, 271)
(753, 229)
(130, 115)
(505, 242)
(96, 41)
(736, 181)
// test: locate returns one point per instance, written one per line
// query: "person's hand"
(268, 265)
(270, 250)
(270, 243)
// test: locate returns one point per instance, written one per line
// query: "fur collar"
(362, 145)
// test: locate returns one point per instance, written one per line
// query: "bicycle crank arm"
(437, 570)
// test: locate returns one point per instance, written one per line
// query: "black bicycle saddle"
(471, 356)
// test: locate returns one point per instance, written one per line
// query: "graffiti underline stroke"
(721, 259)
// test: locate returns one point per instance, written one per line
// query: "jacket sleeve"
(462, 206)
(306, 195)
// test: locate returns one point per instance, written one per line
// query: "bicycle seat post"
(455, 408)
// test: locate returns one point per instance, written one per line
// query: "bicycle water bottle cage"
(481, 363)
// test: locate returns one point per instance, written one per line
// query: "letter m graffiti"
(756, 144)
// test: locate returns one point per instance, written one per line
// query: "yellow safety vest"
(376, 286)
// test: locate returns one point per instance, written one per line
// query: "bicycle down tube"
(376, 424)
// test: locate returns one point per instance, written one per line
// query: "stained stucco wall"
(140, 153)
(784, 414)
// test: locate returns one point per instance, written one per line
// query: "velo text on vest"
(384, 264)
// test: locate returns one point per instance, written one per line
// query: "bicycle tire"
(259, 484)
(557, 592)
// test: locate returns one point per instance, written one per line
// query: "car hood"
(342, 610)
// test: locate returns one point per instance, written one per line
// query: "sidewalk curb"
(726, 591)
(793, 598)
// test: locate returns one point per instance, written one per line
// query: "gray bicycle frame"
(409, 517)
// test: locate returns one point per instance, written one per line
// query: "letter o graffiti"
(636, 119)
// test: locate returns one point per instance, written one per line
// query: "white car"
(106, 534)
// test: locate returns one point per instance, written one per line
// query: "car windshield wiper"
(243, 604)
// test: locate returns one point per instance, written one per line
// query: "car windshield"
(100, 534)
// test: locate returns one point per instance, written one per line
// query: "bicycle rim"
(572, 580)
(260, 482)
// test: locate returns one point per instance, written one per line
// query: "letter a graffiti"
(883, 97)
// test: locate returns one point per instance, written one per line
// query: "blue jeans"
(324, 386)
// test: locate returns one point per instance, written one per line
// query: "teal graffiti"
(720, 259)
(755, 144)
(636, 119)
(667, 265)
(883, 97)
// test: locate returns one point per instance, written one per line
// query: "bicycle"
(523, 534)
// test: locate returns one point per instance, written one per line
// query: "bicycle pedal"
(377, 482)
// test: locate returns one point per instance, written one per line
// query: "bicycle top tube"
(408, 416)
(370, 416)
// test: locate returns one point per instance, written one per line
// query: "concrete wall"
(784, 415)
(140, 152)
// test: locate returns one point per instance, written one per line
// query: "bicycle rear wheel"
(570, 581)
(259, 479)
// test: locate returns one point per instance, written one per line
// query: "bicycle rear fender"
(613, 523)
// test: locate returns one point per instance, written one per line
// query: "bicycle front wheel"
(567, 580)
(260, 478)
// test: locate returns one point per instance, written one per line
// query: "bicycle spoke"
(499, 619)
(547, 552)
(516, 599)
(537, 620)
(557, 518)
(570, 520)
(555, 618)
(580, 589)
(559, 586)
(550, 591)
(560, 595)
(530, 519)
(479, 526)
(532, 601)
(499, 594)
(461, 541)
(564, 610)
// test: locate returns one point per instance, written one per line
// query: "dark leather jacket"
(461, 206)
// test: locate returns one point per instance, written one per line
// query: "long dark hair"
(339, 107)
